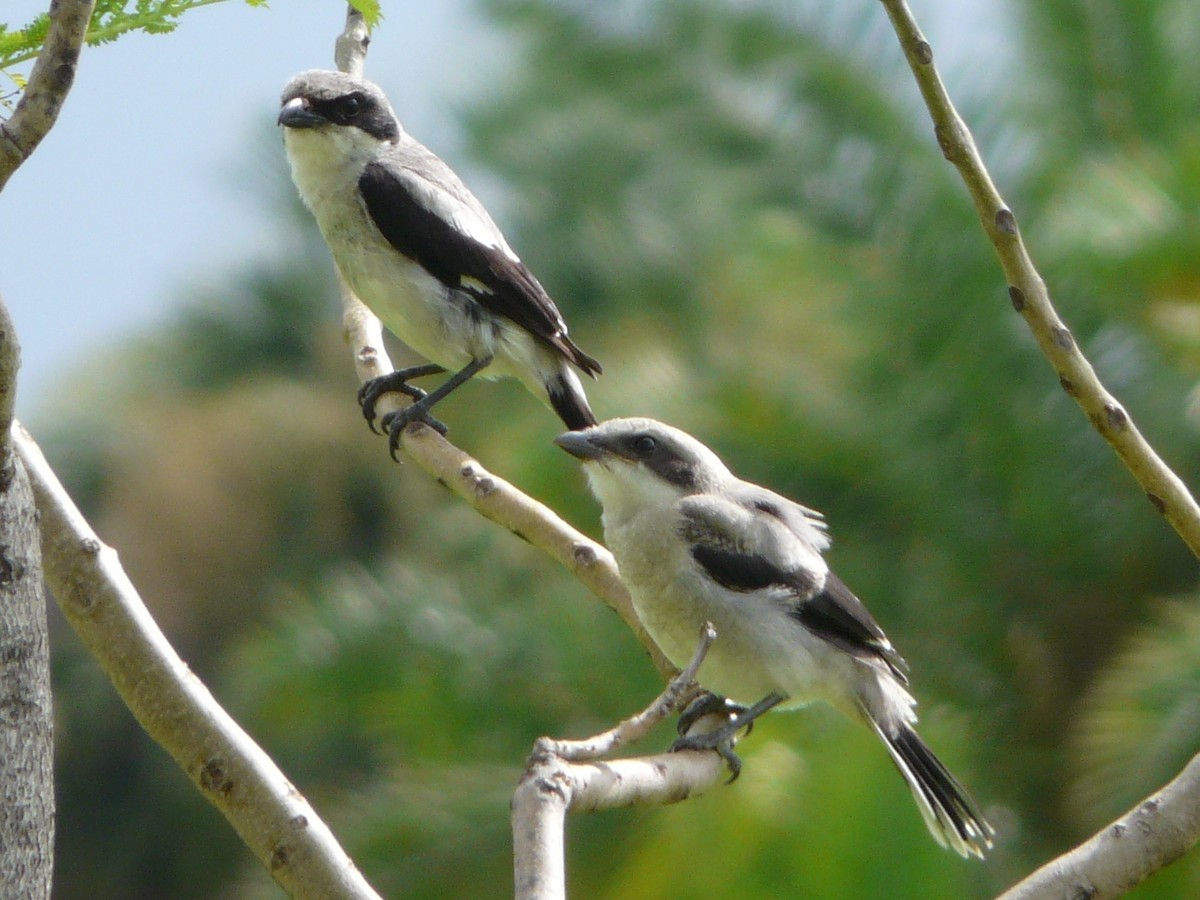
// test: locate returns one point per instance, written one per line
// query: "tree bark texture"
(26, 720)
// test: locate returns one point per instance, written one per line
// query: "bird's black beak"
(296, 114)
(580, 445)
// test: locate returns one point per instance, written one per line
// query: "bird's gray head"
(326, 101)
(644, 458)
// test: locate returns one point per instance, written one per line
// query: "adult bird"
(420, 250)
(695, 544)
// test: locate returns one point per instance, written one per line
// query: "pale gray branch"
(500, 501)
(488, 494)
(26, 708)
(10, 362)
(1028, 293)
(51, 79)
(350, 50)
(544, 797)
(556, 782)
(638, 726)
(1149, 837)
(174, 707)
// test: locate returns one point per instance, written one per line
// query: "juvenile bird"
(696, 544)
(418, 249)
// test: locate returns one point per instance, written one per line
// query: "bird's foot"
(707, 704)
(372, 390)
(722, 739)
(395, 423)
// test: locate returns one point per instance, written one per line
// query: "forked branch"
(561, 777)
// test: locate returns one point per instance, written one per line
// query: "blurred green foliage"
(743, 214)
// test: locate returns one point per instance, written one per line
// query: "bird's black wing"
(838, 616)
(746, 549)
(740, 571)
(415, 213)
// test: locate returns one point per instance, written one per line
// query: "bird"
(423, 254)
(696, 544)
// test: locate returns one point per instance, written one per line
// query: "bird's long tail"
(952, 816)
(568, 400)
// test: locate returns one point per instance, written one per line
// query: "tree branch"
(174, 707)
(557, 782)
(1029, 296)
(10, 362)
(51, 79)
(1162, 828)
(491, 496)
(26, 706)
(350, 49)
(1149, 837)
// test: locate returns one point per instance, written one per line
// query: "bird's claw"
(737, 717)
(371, 390)
(720, 740)
(395, 423)
(708, 704)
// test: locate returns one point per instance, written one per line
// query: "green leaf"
(370, 10)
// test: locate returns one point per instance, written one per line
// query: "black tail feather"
(568, 400)
(952, 816)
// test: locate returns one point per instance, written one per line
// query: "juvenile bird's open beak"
(296, 114)
(579, 444)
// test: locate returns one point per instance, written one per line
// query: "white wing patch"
(754, 532)
(435, 186)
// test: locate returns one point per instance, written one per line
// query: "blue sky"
(140, 189)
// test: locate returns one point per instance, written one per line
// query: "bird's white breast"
(443, 325)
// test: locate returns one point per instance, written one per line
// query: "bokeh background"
(742, 212)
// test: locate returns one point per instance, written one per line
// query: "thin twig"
(174, 707)
(637, 726)
(1027, 291)
(496, 499)
(555, 783)
(350, 49)
(48, 85)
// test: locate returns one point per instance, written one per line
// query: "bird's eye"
(350, 106)
(644, 445)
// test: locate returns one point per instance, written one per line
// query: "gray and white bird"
(418, 249)
(696, 544)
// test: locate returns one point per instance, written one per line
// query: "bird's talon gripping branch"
(416, 246)
(393, 424)
(708, 704)
(696, 544)
(370, 391)
(722, 739)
